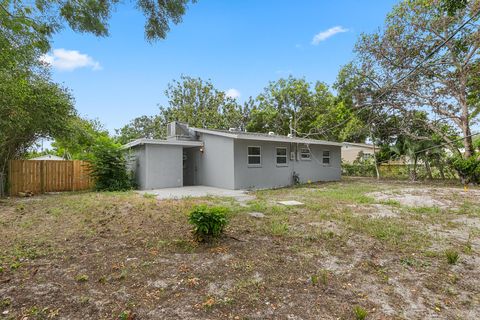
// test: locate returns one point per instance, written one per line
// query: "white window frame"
(254, 155)
(281, 156)
(305, 153)
(329, 157)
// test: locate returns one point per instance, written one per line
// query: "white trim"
(265, 137)
(254, 165)
(282, 156)
(163, 142)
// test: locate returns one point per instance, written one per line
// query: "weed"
(15, 265)
(149, 195)
(81, 278)
(390, 202)
(452, 256)
(126, 315)
(278, 228)
(208, 303)
(360, 313)
(314, 279)
(467, 249)
(5, 303)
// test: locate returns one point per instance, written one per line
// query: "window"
(305, 154)
(326, 157)
(254, 156)
(281, 156)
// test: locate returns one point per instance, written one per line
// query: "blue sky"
(240, 45)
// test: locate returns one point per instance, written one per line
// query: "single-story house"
(231, 159)
(48, 157)
(352, 151)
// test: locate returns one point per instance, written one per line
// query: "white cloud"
(324, 35)
(232, 93)
(69, 60)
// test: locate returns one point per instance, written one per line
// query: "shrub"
(359, 170)
(208, 222)
(468, 169)
(109, 167)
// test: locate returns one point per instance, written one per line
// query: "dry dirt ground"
(354, 247)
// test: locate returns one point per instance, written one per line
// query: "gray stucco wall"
(270, 175)
(215, 164)
(158, 166)
(137, 164)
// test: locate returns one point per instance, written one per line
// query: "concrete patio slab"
(291, 203)
(198, 191)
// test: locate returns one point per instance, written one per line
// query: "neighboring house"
(47, 157)
(231, 159)
(352, 151)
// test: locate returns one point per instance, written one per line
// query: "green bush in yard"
(109, 166)
(208, 222)
(468, 169)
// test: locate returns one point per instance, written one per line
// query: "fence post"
(73, 174)
(2, 184)
(42, 176)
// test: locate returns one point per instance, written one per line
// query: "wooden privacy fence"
(48, 176)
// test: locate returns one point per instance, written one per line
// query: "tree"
(283, 102)
(80, 138)
(441, 85)
(31, 107)
(151, 127)
(45, 17)
(200, 104)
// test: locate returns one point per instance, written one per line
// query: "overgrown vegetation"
(109, 167)
(208, 222)
(129, 254)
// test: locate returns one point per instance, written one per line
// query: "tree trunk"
(467, 140)
(465, 118)
(414, 172)
(428, 169)
(375, 160)
(440, 168)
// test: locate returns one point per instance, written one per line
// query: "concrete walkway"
(198, 191)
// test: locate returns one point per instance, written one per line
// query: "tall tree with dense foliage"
(45, 17)
(442, 85)
(81, 136)
(31, 104)
(200, 104)
(150, 127)
(283, 102)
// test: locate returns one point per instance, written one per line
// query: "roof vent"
(271, 133)
(232, 129)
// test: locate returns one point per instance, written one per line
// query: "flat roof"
(186, 143)
(363, 145)
(265, 137)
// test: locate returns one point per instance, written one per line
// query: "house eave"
(145, 141)
(273, 138)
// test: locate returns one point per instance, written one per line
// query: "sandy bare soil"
(360, 244)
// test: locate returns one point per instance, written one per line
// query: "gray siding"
(314, 170)
(269, 175)
(215, 164)
(164, 166)
(158, 166)
(139, 166)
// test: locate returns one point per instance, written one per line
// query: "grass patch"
(279, 228)
(452, 256)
